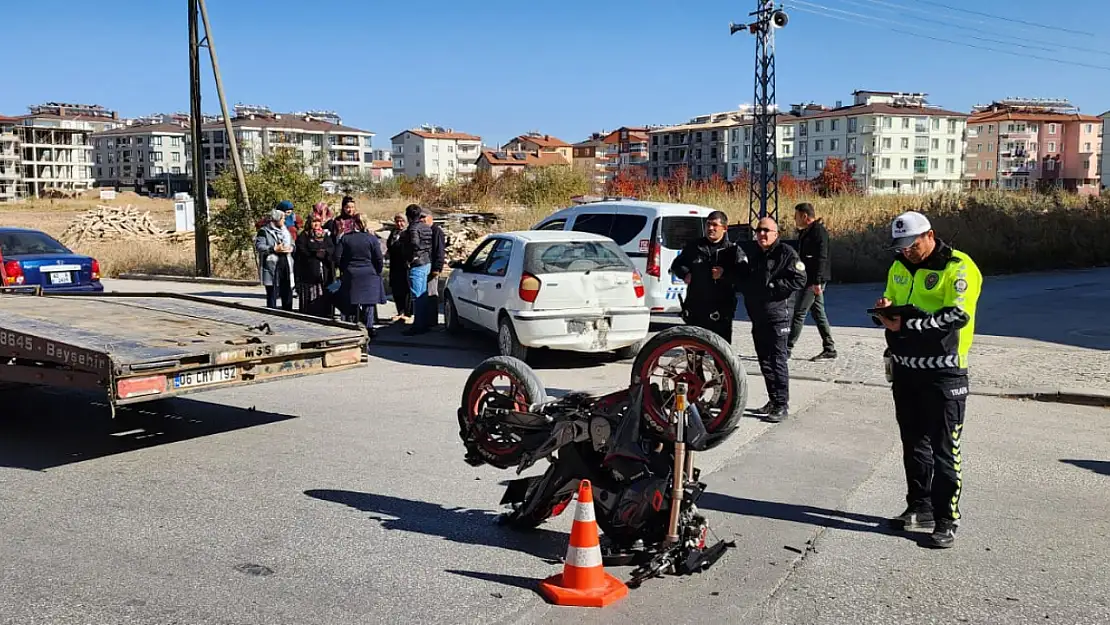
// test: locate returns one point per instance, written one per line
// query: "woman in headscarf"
(274, 246)
(360, 261)
(314, 264)
(399, 268)
(322, 212)
(345, 221)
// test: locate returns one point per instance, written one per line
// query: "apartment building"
(701, 146)
(148, 157)
(1104, 158)
(591, 157)
(1019, 143)
(536, 142)
(56, 147)
(436, 152)
(897, 142)
(11, 159)
(330, 151)
(740, 146)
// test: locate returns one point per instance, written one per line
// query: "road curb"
(188, 279)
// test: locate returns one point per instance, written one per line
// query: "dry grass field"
(1004, 232)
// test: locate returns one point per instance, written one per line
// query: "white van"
(651, 233)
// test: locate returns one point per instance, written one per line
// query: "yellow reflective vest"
(946, 287)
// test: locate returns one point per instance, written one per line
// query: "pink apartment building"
(1030, 144)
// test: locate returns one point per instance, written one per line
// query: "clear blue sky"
(500, 68)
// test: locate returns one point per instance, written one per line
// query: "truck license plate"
(204, 377)
(61, 277)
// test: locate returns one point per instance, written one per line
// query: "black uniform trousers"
(929, 406)
(721, 326)
(771, 338)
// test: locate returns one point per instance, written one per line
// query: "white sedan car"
(563, 290)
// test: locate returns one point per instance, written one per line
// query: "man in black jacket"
(418, 239)
(813, 247)
(709, 265)
(770, 281)
(439, 255)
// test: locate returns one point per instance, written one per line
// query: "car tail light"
(653, 268)
(638, 284)
(95, 270)
(137, 387)
(13, 273)
(529, 288)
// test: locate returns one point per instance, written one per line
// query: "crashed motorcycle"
(687, 394)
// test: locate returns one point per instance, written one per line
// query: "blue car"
(34, 258)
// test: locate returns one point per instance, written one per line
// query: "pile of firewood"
(114, 222)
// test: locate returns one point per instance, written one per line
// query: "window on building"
(818, 126)
(934, 164)
(905, 143)
(851, 145)
(920, 165)
(818, 145)
(953, 126)
(833, 124)
(852, 124)
(888, 122)
(934, 144)
(834, 145)
(950, 146)
(786, 149)
(1051, 146)
(950, 166)
(904, 163)
(851, 162)
(1052, 129)
(818, 165)
(886, 143)
(886, 163)
(936, 123)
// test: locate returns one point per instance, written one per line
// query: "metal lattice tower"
(763, 199)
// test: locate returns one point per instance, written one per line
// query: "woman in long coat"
(274, 246)
(314, 265)
(399, 268)
(359, 258)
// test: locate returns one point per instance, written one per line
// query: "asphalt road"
(343, 498)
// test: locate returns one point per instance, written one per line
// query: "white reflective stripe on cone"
(584, 557)
(584, 513)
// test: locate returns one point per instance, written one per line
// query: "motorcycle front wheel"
(498, 382)
(717, 382)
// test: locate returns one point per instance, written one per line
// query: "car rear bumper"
(76, 288)
(596, 330)
(661, 296)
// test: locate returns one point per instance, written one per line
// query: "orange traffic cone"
(583, 582)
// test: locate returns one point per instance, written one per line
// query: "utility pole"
(200, 187)
(763, 198)
(232, 141)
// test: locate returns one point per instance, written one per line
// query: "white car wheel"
(451, 315)
(507, 342)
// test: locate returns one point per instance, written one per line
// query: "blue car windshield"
(22, 243)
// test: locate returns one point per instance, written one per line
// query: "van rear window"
(678, 231)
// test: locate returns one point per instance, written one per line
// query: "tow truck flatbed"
(148, 346)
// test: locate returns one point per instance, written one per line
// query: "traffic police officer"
(928, 347)
(708, 265)
(770, 282)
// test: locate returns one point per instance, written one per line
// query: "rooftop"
(1029, 115)
(880, 109)
(144, 129)
(289, 122)
(429, 132)
(544, 141)
(527, 159)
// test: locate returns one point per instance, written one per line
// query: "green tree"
(278, 176)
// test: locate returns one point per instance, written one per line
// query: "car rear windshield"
(570, 256)
(20, 243)
(678, 231)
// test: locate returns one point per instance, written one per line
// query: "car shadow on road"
(43, 429)
(461, 525)
(1097, 466)
(809, 515)
(465, 352)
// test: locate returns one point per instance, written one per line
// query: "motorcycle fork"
(683, 462)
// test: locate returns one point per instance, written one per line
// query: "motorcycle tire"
(529, 390)
(735, 380)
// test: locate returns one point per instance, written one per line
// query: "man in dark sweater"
(439, 255)
(813, 248)
(419, 240)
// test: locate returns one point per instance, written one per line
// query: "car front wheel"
(507, 342)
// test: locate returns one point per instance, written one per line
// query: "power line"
(793, 5)
(1054, 45)
(1007, 19)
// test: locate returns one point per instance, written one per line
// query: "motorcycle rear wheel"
(720, 398)
(497, 445)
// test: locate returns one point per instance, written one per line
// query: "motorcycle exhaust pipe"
(679, 472)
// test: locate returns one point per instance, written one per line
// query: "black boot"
(944, 535)
(915, 517)
(777, 414)
(763, 410)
